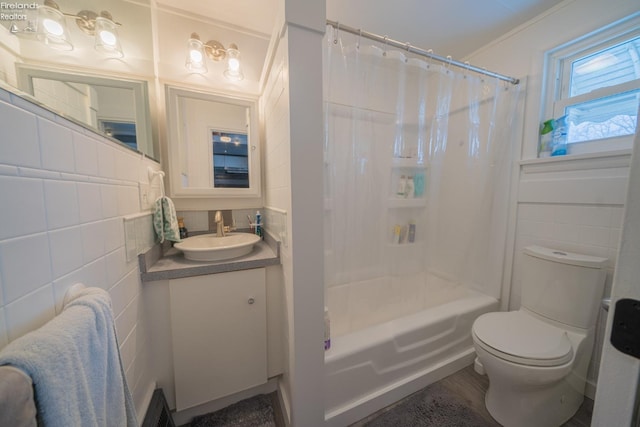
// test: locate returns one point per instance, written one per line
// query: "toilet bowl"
(537, 357)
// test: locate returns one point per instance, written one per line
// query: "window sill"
(608, 159)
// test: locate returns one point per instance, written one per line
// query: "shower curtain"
(417, 167)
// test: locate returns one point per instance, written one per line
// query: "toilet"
(537, 357)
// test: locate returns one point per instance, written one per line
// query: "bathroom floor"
(460, 397)
(467, 386)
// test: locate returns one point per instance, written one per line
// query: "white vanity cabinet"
(219, 335)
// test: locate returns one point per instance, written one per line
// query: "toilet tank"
(562, 286)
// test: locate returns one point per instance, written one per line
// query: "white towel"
(75, 366)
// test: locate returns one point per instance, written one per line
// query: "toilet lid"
(521, 338)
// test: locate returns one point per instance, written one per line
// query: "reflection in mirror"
(230, 160)
(117, 108)
(213, 144)
(23, 48)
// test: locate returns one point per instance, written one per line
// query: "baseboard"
(284, 405)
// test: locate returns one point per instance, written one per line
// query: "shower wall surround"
(65, 192)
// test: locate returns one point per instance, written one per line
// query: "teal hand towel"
(165, 220)
(75, 365)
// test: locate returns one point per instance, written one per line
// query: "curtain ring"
(337, 35)
(407, 46)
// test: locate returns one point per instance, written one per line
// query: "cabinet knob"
(251, 300)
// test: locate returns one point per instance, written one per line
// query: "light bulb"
(53, 27)
(195, 55)
(108, 38)
(234, 64)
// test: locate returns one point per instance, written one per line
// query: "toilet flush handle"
(606, 303)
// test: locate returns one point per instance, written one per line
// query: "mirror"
(84, 84)
(213, 144)
(117, 108)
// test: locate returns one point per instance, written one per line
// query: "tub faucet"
(219, 219)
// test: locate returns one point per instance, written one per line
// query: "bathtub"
(392, 337)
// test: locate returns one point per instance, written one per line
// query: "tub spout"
(219, 219)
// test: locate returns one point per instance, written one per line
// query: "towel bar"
(72, 293)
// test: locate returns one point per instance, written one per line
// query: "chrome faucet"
(219, 219)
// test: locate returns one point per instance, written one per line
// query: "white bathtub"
(376, 358)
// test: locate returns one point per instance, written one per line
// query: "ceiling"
(449, 27)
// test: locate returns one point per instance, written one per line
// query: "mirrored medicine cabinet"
(214, 149)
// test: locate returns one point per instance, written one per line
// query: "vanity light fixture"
(214, 50)
(51, 28)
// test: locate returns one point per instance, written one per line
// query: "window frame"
(557, 80)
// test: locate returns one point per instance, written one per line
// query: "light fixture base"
(86, 21)
(215, 50)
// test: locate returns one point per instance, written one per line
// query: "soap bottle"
(559, 137)
(184, 233)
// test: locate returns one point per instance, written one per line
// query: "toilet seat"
(521, 338)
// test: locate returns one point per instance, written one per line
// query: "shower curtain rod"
(418, 51)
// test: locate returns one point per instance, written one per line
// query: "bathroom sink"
(210, 247)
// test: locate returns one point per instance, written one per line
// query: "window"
(595, 83)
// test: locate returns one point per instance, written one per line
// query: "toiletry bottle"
(184, 233)
(258, 224)
(397, 231)
(402, 186)
(545, 138)
(559, 138)
(418, 184)
(327, 329)
(412, 232)
(410, 190)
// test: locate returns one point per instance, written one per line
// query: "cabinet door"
(218, 325)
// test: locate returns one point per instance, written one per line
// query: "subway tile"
(89, 202)
(30, 312)
(32, 107)
(126, 321)
(56, 146)
(66, 250)
(127, 347)
(114, 234)
(61, 202)
(95, 274)
(566, 232)
(109, 194)
(93, 238)
(25, 265)
(23, 211)
(20, 144)
(567, 214)
(596, 216)
(116, 266)
(128, 201)
(123, 292)
(106, 161)
(617, 217)
(595, 236)
(86, 154)
(614, 238)
(127, 166)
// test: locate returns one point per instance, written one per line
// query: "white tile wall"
(68, 191)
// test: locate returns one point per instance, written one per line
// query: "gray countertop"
(173, 265)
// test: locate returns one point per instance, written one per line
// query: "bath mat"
(433, 406)
(253, 412)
